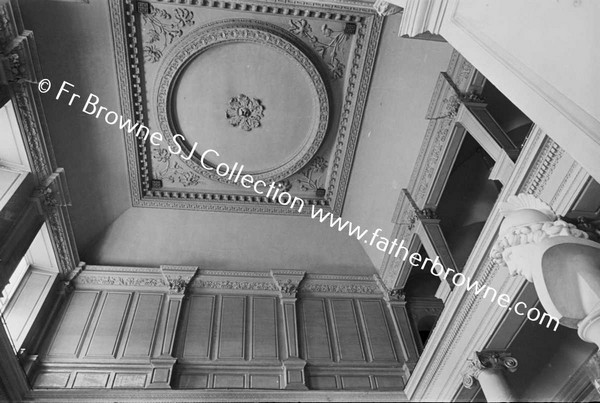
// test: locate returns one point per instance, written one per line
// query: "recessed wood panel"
(385, 382)
(223, 381)
(231, 340)
(90, 380)
(145, 316)
(70, 331)
(129, 381)
(108, 327)
(47, 380)
(265, 328)
(323, 382)
(379, 337)
(315, 327)
(356, 382)
(264, 381)
(199, 326)
(346, 327)
(193, 381)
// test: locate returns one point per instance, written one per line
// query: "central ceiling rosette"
(222, 78)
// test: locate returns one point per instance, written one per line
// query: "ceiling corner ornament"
(328, 47)
(245, 112)
(384, 8)
(163, 28)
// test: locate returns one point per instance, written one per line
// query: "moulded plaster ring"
(241, 31)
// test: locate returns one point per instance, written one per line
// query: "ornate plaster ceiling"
(277, 87)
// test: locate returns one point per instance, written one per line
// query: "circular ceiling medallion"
(245, 90)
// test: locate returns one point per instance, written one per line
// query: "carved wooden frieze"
(333, 49)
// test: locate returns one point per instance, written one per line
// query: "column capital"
(178, 277)
(487, 360)
(288, 281)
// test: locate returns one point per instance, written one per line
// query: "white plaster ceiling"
(109, 230)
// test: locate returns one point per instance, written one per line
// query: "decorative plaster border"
(242, 31)
(260, 281)
(124, 29)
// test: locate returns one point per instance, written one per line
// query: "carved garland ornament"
(532, 232)
(236, 31)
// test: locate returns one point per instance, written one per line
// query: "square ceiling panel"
(275, 90)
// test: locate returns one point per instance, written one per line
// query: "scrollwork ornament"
(487, 360)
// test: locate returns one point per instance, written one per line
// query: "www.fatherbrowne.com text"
(234, 174)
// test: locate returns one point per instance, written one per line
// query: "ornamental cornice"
(357, 78)
(327, 9)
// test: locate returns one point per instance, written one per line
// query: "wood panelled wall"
(115, 336)
(236, 341)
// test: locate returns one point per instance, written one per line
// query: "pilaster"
(177, 278)
(288, 283)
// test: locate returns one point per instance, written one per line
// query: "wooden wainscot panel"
(232, 327)
(229, 381)
(192, 381)
(314, 324)
(143, 326)
(350, 382)
(347, 330)
(265, 381)
(126, 380)
(74, 321)
(385, 382)
(264, 324)
(379, 336)
(91, 380)
(199, 326)
(51, 380)
(107, 331)
(323, 382)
